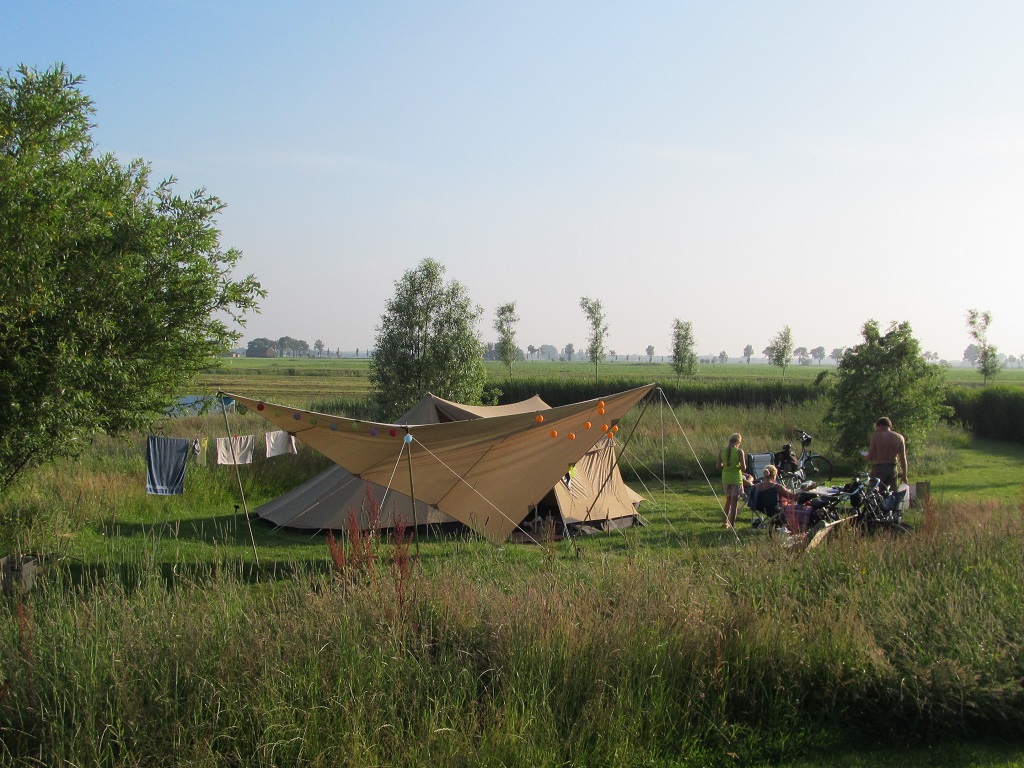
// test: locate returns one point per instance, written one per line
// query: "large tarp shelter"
(486, 472)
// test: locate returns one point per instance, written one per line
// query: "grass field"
(168, 631)
(300, 381)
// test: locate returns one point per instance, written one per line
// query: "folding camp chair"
(756, 462)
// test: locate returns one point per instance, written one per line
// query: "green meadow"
(178, 631)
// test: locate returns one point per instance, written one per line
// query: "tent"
(488, 469)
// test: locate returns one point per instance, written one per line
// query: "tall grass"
(749, 654)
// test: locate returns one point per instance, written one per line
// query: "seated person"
(767, 492)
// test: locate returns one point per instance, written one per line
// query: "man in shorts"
(887, 453)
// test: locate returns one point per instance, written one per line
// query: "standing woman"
(732, 461)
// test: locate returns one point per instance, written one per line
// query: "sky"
(739, 165)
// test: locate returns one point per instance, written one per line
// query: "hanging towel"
(165, 465)
(243, 445)
(199, 446)
(280, 443)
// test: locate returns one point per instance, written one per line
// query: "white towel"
(243, 445)
(280, 443)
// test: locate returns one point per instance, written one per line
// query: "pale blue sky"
(741, 165)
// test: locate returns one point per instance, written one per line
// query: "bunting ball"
(615, 428)
(600, 410)
(540, 418)
(373, 431)
(604, 427)
(586, 425)
(572, 435)
(554, 433)
(600, 403)
(260, 407)
(393, 433)
(408, 438)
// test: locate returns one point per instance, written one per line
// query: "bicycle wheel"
(792, 480)
(818, 468)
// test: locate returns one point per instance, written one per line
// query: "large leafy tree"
(113, 292)
(427, 341)
(885, 375)
(684, 359)
(594, 311)
(505, 319)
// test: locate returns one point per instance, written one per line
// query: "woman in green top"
(732, 461)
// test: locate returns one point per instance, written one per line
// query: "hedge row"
(693, 391)
(996, 413)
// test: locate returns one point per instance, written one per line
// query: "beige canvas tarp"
(484, 472)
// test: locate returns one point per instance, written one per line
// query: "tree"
(598, 331)
(971, 354)
(837, 354)
(988, 356)
(114, 293)
(650, 353)
(289, 347)
(505, 319)
(261, 347)
(723, 358)
(801, 354)
(818, 353)
(570, 350)
(684, 359)
(532, 350)
(318, 346)
(427, 341)
(885, 375)
(780, 349)
(748, 352)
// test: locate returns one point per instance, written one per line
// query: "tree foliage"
(598, 331)
(505, 319)
(684, 359)
(780, 350)
(427, 341)
(885, 375)
(748, 352)
(113, 293)
(987, 356)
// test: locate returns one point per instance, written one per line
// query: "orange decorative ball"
(540, 418)
(554, 433)
(572, 435)
(586, 425)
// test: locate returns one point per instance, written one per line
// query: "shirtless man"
(886, 450)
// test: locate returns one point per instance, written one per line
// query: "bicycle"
(808, 467)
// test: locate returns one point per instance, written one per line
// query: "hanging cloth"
(280, 443)
(243, 445)
(199, 446)
(165, 464)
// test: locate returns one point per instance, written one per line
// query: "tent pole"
(412, 494)
(615, 463)
(238, 476)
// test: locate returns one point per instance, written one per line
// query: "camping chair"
(756, 462)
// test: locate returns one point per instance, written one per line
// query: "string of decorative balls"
(313, 419)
